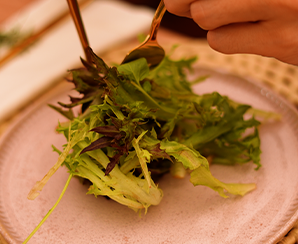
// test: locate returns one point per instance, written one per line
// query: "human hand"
(263, 27)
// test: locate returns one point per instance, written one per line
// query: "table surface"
(8, 8)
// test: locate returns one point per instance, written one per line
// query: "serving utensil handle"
(161, 9)
(76, 15)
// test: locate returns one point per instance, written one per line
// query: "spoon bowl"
(150, 49)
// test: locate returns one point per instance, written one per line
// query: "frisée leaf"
(136, 124)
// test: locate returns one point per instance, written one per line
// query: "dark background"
(181, 25)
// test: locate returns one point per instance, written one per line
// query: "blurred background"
(182, 25)
(179, 24)
(7, 8)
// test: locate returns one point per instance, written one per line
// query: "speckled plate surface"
(186, 214)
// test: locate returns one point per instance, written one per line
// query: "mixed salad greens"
(136, 124)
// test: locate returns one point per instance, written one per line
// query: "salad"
(136, 124)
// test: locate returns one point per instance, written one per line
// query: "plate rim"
(12, 237)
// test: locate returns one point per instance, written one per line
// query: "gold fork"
(150, 49)
(76, 15)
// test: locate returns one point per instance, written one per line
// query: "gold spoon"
(150, 49)
(75, 13)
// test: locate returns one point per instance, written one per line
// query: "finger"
(179, 7)
(211, 14)
(255, 38)
(237, 38)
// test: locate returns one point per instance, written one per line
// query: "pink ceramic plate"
(187, 214)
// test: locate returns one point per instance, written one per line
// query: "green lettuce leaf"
(136, 70)
(137, 124)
